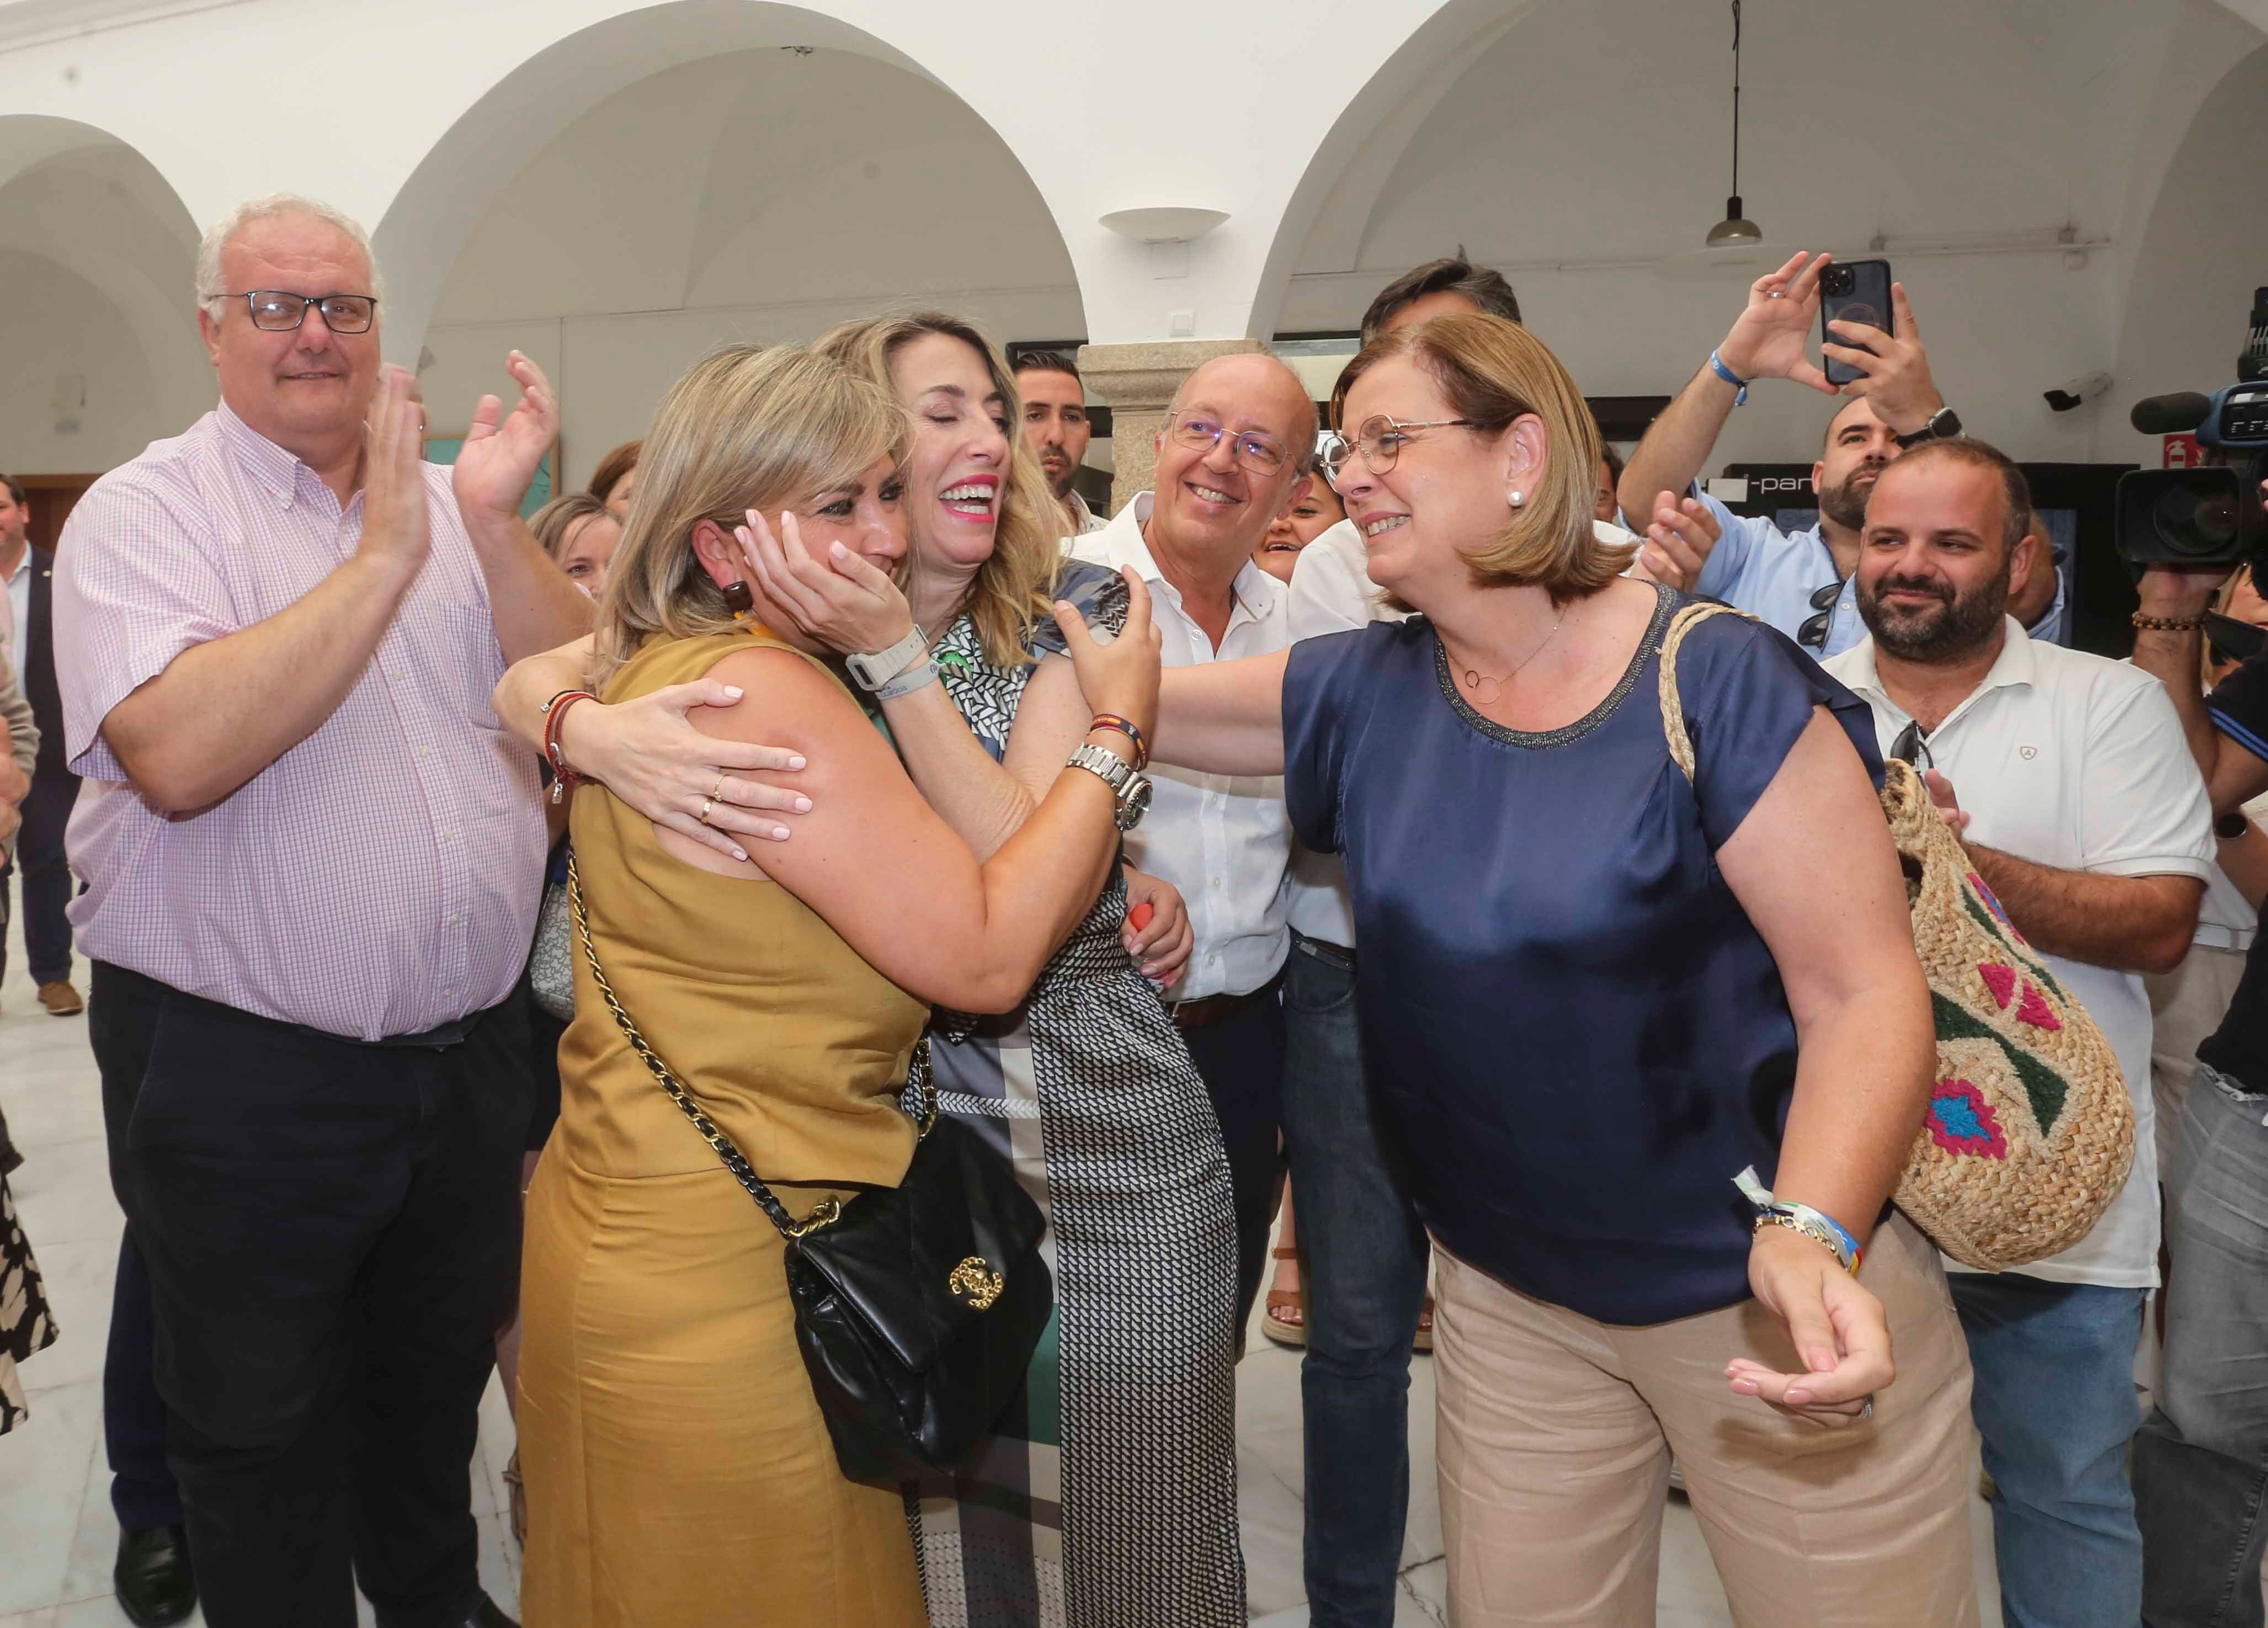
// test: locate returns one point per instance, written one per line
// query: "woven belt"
(2237, 938)
(1211, 1009)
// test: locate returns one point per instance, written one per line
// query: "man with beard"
(1799, 582)
(2071, 784)
(1057, 427)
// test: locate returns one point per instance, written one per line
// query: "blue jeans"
(2201, 1463)
(2054, 1400)
(1367, 1256)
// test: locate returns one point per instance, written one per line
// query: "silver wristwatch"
(877, 667)
(1132, 790)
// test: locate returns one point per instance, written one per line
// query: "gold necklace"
(1473, 678)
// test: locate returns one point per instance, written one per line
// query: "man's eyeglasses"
(1912, 747)
(1814, 631)
(277, 312)
(1256, 450)
(1380, 439)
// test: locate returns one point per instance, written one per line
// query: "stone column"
(1138, 381)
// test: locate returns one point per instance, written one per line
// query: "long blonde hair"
(1015, 588)
(1492, 372)
(742, 429)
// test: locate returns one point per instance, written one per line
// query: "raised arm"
(1224, 717)
(223, 709)
(1768, 341)
(2234, 774)
(1813, 866)
(534, 605)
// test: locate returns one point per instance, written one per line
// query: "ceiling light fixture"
(1736, 230)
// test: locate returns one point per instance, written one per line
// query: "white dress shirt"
(1223, 840)
(15, 617)
(2074, 761)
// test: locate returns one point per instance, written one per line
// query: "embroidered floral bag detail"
(2030, 1132)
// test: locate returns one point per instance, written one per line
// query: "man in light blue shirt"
(1800, 582)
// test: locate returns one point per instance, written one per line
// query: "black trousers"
(330, 1232)
(143, 1490)
(1241, 1058)
(46, 879)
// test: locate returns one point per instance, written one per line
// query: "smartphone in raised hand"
(1852, 290)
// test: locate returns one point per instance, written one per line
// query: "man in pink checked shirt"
(313, 864)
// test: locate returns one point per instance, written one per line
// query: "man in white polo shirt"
(1231, 458)
(2069, 780)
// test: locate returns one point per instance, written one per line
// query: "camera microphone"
(2177, 413)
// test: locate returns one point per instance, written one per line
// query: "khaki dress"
(677, 1469)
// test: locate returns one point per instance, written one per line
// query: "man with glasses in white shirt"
(1232, 457)
(1800, 582)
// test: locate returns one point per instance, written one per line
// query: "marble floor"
(58, 1537)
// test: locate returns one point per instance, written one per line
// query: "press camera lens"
(2194, 524)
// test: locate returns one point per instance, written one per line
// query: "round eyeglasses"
(1380, 439)
(1254, 449)
(275, 311)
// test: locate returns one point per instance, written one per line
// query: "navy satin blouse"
(1571, 1030)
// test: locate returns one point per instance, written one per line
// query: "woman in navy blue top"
(1593, 992)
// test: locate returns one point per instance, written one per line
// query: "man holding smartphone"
(1799, 582)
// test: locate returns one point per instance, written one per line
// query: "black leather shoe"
(489, 1614)
(156, 1587)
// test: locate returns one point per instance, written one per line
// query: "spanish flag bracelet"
(1816, 1224)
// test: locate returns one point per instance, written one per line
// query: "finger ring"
(718, 795)
(707, 803)
(1777, 293)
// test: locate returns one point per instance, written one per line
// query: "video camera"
(2208, 516)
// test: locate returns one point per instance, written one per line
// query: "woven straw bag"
(2029, 1133)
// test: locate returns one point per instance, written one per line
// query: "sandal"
(1285, 1319)
(518, 1490)
(1425, 1340)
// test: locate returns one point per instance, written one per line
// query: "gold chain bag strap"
(917, 1307)
(2030, 1132)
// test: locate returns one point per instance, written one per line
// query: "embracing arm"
(1813, 866)
(2128, 923)
(1222, 718)
(889, 875)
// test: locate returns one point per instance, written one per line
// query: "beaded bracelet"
(1816, 1224)
(2168, 624)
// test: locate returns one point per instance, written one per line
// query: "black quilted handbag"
(918, 1307)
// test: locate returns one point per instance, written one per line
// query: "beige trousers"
(2186, 1005)
(1555, 1432)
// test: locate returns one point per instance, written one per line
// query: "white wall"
(2206, 250)
(761, 197)
(53, 322)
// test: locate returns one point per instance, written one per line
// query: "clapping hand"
(1678, 543)
(396, 525)
(499, 459)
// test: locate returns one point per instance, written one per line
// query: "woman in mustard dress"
(678, 1468)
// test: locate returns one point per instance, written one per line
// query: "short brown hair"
(16, 490)
(612, 467)
(1047, 362)
(1493, 372)
(2015, 490)
(1452, 275)
(555, 520)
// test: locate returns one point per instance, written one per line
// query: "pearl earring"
(1519, 497)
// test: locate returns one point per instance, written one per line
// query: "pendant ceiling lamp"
(1736, 230)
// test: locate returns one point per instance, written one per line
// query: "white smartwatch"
(1132, 790)
(879, 668)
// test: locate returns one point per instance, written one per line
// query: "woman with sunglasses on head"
(1596, 991)
(1109, 1496)
(678, 1468)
